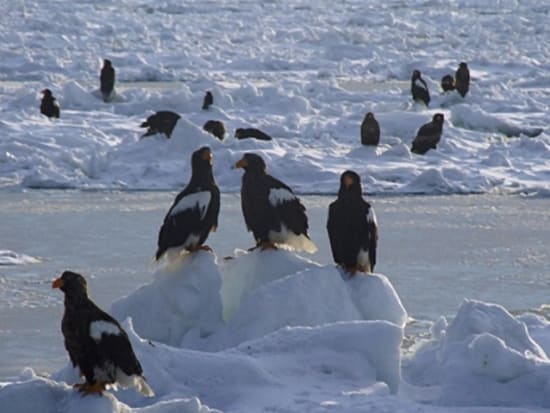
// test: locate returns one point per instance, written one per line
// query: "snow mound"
(8, 257)
(32, 393)
(475, 118)
(183, 299)
(484, 347)
(254, 294)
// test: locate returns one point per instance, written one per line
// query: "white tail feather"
(144, 387)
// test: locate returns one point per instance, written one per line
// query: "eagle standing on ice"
(195, 210)
(352, 227)
(96, 342)
(48, 105)
(107, 80)
(271, 211)
(429, 135)
(419, 88)
(163, 121)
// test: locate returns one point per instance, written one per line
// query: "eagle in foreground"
(195, 210)
(352, 227)
(271, 211)
(419, 88)
(429, 135)
(163, 121)
(48, 105)
(96, 342)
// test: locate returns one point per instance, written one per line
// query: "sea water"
(436, 250)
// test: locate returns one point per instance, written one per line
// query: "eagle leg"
(264, 245)
(200, 248)
(90, 388)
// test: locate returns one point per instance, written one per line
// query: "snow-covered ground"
(276, 332)
(304, 72)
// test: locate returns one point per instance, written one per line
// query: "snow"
(273, 331)
(244, 334)
(484, 347)
(8, 257)
(304, 73)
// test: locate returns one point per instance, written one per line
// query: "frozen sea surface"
(436, 250)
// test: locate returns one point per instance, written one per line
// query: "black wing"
(107, 79)
(193, 213)
(288, 209)
(336, 232)
(420, 91)
(118, 349)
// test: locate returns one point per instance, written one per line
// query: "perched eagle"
(428, 135)
(216, 128)
(48, 104)
(96, 342)
(352, 227)
(245, 133)
(370, 130)
(419, 88)
(447, 83)
(107, 80)
(462, 79)
(163, 121)
(271, 211)
(208, 100)
(195, 210)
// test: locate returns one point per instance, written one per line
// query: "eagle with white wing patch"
(195, 210)
(271, 210)
(96, 342)
(352, 227)
(419, 88)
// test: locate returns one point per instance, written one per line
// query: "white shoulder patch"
(199, 200)
(371, 216)
(100, 327)
(279, 195)
(419, 83)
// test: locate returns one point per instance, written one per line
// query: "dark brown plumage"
(49, 105)
(163, 121)
(447, 83)
(216, 128)
(462, 79)
(271, 211)
(370, 130)
(208, 100)
(419, 88)
(245, 133)
(107, 80)
(96, 342)
(352, 227)
(195, 210)
(428, 135)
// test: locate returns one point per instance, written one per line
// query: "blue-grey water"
(436, 250)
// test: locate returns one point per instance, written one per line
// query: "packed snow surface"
(244, 335)
(303, 72)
